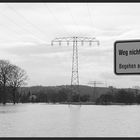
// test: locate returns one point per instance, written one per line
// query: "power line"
(57, 20)
(90, 17)
(7, 27)
(36, 27)
(12, 21)
(11, 29)
(89, 14)
(22, 28)
(21, 16)
(75, 23)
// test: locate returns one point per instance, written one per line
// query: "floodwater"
(48, 120)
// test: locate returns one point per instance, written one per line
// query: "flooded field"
(48, 120)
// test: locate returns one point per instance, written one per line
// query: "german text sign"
(127, 57)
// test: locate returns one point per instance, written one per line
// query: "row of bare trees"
(120, 96)
(11, 78)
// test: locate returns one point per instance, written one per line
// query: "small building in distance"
(32, 98)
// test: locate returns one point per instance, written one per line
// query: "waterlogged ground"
(46, 120)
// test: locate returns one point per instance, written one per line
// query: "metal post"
(75, 75)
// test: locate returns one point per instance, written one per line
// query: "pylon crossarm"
(77, 39)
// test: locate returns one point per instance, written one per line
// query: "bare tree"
(5, 74)
(11, 76)
(18, 78)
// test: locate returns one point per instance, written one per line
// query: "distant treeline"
(121, 96)
(12, 79)
(51, 95)
(63, 94)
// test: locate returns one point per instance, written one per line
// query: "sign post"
(127, 57)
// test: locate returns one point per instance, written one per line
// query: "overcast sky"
(27, 29)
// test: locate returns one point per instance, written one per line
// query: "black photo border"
(75, 1)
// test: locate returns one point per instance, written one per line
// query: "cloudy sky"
(27, 29)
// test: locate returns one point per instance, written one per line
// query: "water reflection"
(75, 120)
(11, 108)
(40, 120)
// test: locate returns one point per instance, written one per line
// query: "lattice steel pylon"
(75, 75)
(94, 83)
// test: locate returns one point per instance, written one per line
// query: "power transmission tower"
(94, 83)
(137, 89)
(75, 76)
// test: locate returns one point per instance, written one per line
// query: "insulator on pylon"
(68, 43)
(98, 43)
(90, 43)
(82, 42)
(52, 43)
(59, 43)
